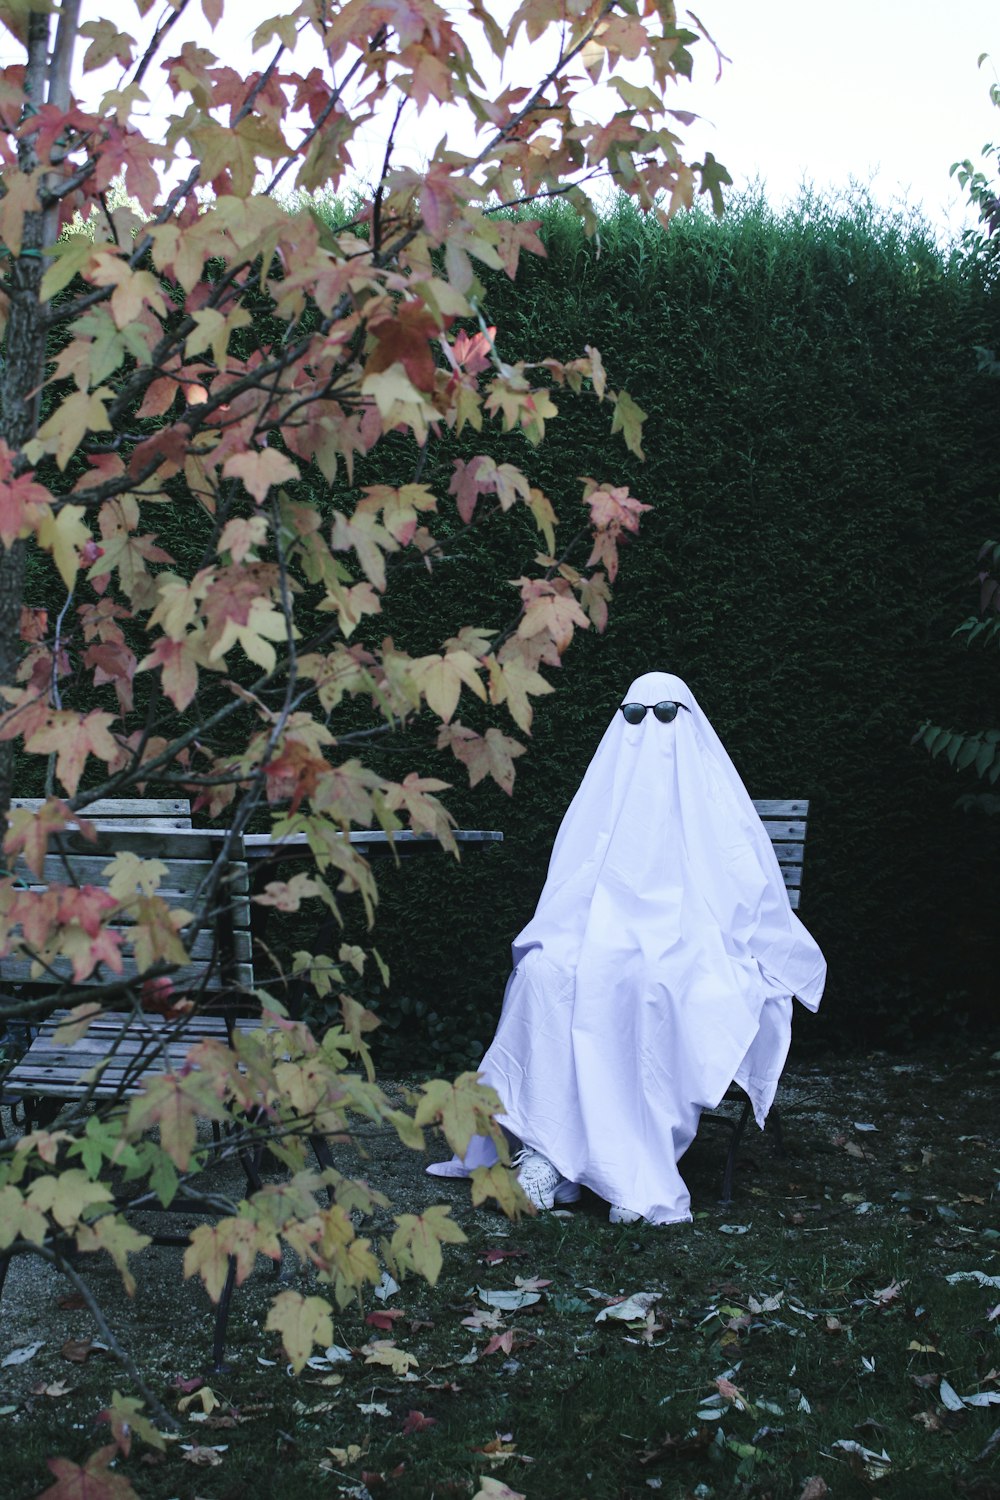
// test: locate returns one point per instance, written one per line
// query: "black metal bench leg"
(324, 1157)
(222, 1319)
(737, 1136)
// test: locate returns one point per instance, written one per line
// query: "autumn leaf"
(66, 536)
(179, 661)
(628, 419)
(68, 1195)
(175, 1102)
(260, 471)
(416, 1243)
(114, 1235)
(491, 754)
(125, 1417)
(416, 1422)
(20, 1217)
(28, 831)
(513, 680)
(440, 679)
(302, 1322)
(496, 1489)
(499, 1183)
(90, 1481)
(385, 1352)
(23, 502)
(72, 737)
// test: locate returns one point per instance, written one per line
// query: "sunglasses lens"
(633, 713)
(665, 712)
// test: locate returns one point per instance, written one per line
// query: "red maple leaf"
(417, 1422)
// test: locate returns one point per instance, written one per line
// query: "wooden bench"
(121, 1048)
(786, 824)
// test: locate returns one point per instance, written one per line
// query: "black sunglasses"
(634, 713)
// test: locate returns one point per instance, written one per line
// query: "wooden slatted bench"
(121, 1048)
(220, 954)
(785, 823)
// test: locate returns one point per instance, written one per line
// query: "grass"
(818, 1299)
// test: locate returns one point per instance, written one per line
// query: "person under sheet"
(659, 967)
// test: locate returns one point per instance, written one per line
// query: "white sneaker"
(541, 1182)
(620, 1215)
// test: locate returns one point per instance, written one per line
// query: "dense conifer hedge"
(822, 462)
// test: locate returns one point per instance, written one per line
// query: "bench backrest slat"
(187, 854)
(785, 823)
(152, 812)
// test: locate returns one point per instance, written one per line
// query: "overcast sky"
(883, 92)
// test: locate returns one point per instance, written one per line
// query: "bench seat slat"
(189, 977)
(182, 875)
(59, 1070)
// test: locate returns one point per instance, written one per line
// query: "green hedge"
(821, 459)
(822, 466)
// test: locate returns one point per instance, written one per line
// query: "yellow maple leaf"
(118, 1238)
(62, 434)
(67, 1195)
(499, 1183)
(302, 1322)
(65, 534)
(463, 1109)
(128, 873)
(19, 1218)
(385, 1352)
(175, 1103)
(416, 1243)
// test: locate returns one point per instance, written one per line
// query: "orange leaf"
(90, 1481)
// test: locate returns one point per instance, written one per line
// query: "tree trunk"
(24, 348)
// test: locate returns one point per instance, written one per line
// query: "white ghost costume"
(659, 967)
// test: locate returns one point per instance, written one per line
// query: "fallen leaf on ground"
(873, 1465)
(384, 1319)
(205, 1458)
(507, 1301)
(495, 1489)
(348, 1455)
(205, 1395)
(77, 1351)
(417, 1422)
(632, 1309)
(889, 1293)
(384, 1352)
(22, 1355)
(501, 1343)
(732, 1394)
(949, 1397)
